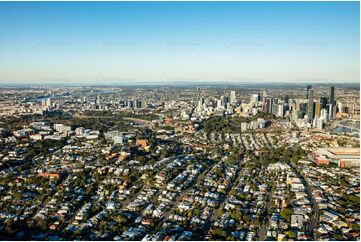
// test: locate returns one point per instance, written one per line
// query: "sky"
(128, 42)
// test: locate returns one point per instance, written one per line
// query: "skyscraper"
(268, 106)
(323, 102)
(225, 100)
(232, 97)
(287, 98)
(332, 95)
(308, 90)
(317, 109)
(46, 102)
(263, 96)
(98, 101)
(310, 109)
(255, 99)
(332, 103)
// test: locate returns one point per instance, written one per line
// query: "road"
(315, 210)
(264, 226)
(147, 122)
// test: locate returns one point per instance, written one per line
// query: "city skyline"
(112, 42)
(180, 164)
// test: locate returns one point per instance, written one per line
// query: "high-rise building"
(331, 111)
(98, 101)
(332, 103)
(46, 102)
(137, 104)
(332, 95)
(319, 123)
(219, 103)
(323, 114)
(308, 90)
(323, 102)
(268, 106)
(263, 96)
(280, 110)
(275, 108)
(255, 99)
(130, 103)
(310, 108)
(287, 99)
(317, 109)
(232, 97)
(225, 101)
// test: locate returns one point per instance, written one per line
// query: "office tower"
(232, 97)
(263, 96)
(268, 106)
(48, 102)
(296, 106)
(280, 110)
(199, 106)
(319, 123)
(275, 108)
(323, 102)
(219, 103)
(331, 111)
(214, 103)
(308, 90)
(317, 109)
(332, 95)
(130, 103)
(98, 101)
(137, 104)
(332, 103)
(324, 114)
(202, 100)
(310, 108)
(225, 101)
(255, 99)
(303, 108)
(287, 98)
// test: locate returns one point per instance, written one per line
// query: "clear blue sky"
(173, 41)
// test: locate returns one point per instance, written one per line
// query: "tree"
(355, 227)
(291, 234)
(237, 215)
(219, 233)
(246, 218)
(339, 237)
(353, 200)
(286, 214)
(220, 212)
(9, 227)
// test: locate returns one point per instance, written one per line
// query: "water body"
(342, 129)
(57, 96)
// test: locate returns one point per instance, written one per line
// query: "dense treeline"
(232, 124)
